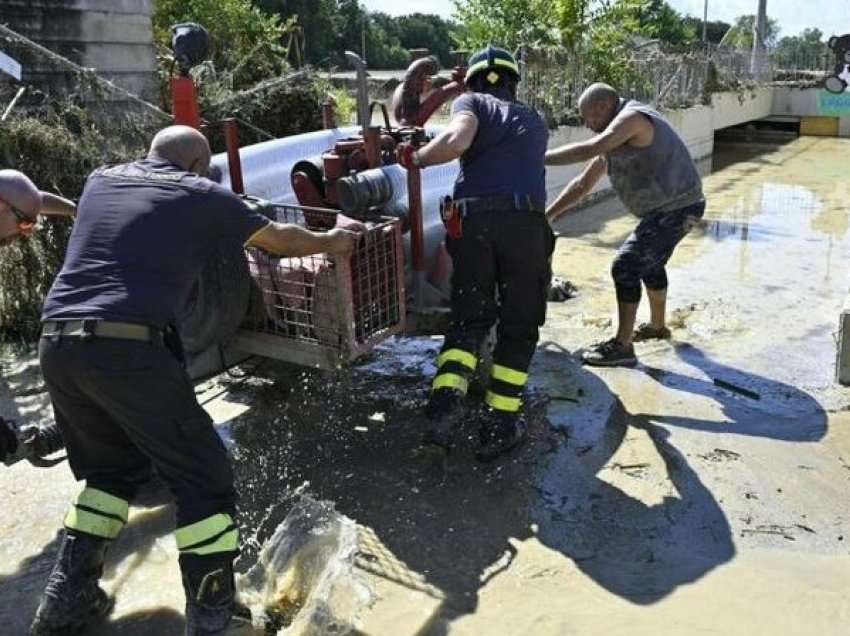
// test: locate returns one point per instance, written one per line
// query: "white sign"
(10, 66)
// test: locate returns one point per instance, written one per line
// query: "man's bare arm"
(285, 239)
(577, 189)
(54, 205)
(621, 131)
(450, 144)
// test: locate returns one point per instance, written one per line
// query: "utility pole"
(363, 36)
(759, 36)
(705, 25)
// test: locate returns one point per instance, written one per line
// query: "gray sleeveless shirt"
(658, 178)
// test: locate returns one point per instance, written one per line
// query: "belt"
(500, 203)
(100, 329)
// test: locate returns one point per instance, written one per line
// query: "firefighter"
(121, 397)
(500, 243)
(654, 175)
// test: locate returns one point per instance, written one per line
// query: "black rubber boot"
(72, 597)
(442, 411)
(499, 433)
(211, 606)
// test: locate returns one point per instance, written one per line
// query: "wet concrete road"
(649, 501)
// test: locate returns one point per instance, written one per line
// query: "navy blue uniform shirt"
(139, 243)
(507, 153)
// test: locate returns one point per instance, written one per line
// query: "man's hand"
(342, 242)
(405, 154)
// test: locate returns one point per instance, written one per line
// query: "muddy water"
(774, 245)
(648, 500)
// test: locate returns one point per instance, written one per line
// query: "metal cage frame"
(323, 311)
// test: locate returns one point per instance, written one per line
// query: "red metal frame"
(234, 163)
(184, 102)
(323, 311)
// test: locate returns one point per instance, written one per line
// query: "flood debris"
(720, 454)
(723, 384)
(561, 290)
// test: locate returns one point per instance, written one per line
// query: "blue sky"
(830, 16)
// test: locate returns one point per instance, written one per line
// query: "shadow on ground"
(450, 527)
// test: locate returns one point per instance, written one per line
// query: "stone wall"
(114, 37)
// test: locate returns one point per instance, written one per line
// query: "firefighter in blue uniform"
(500, 243)
(121, 397)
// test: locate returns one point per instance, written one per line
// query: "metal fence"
(554, 78)
(320, 310)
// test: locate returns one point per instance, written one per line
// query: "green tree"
(243, 37)
(658, 20)
(509, 23)
(714, 30)
(740, 36)
(317, 19)
(807, 50)
(419, 30)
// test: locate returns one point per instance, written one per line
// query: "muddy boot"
(72, 597)
(610, 353)
(211, 606)
(647, 332)
(442, 411)
(499, 433)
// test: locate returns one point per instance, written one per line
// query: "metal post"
(759, 34)
(417, 234)
(234, 163)
(705, 24)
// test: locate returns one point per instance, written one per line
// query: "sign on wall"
(10, 66)
(835, 99)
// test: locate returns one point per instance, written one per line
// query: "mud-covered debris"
(720, 455)
(560, 290)
(723, 384)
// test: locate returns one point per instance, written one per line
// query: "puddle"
(768, 264)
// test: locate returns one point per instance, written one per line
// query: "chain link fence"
(554, 78)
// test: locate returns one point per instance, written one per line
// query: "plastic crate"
(322, 311)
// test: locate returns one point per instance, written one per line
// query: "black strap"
(500, 203)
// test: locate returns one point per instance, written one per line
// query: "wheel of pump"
(218, 301)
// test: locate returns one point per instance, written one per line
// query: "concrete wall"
(789, 100)
(115, 37)
(696, 126)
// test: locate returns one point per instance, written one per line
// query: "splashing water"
(304, 582)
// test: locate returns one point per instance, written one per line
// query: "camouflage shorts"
(646, 251)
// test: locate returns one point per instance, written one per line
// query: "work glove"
(404, 154)
(8, 440)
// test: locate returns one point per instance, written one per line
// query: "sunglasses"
(25, 223)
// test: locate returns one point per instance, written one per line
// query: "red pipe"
(234, 163)
(184, 102)
(414, 206)
(328, 116)
(372, 142)
(434, 101)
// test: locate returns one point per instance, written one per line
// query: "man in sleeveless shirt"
(500, 250)
(655, 177)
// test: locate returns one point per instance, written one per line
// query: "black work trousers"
(125, 406)
(501, 272)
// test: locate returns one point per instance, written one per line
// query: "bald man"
(655, 177)
(123, 401)
(21, 202)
